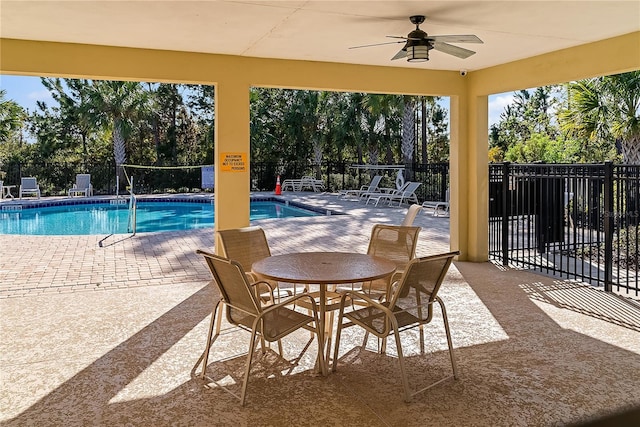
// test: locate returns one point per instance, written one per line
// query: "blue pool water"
(104, 218)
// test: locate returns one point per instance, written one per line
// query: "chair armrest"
(263, 284)
(292, 300)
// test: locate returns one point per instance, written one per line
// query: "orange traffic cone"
(278, 188)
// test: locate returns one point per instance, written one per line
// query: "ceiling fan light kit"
(418, 43)
(418, 53)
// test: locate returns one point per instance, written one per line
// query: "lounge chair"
(29, 185)
(380, 191)
(291, 185)
(306, 182)
(440, 208)
(405, 194)
(373, 187)
(311, 183)
(82, 185)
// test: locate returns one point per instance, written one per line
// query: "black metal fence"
(336, 175)
(339, 176)
(575, 221)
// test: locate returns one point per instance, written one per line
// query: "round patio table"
(323, 269)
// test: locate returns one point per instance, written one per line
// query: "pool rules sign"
(233, 162)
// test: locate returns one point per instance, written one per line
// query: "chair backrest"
(420, 284)
(411, 215)
(410, 188)
(230, 279)
(83, 181)
(28, 183)
(402, 189)
(245, 245)
(394, 242)
(375, 183)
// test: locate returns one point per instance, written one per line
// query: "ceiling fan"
(418, 43)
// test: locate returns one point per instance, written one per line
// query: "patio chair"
(395, 243)
(243, 310)
(373, 187)
(405, 194)
(29, 185)
(247, 245)
(402, 311)
(82, 185)
(411, 215)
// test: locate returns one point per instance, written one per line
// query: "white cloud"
(497, 103)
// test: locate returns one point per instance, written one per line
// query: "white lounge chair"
(310, 183)
(439, 208)
(373, 187)
(405, 194)
(29, 185)
(82, 185)
(306, 182)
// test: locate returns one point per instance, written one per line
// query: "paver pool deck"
(101, 330)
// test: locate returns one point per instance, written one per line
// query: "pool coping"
(18, 205)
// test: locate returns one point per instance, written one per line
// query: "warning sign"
(233, 162)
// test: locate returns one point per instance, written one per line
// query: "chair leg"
(204, 358)
(420, 327)
(337, 344)
(252, 347)
(403, 370)
(449, 341)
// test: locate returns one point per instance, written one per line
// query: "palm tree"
(408, 129)
(117, 105)
(606, 109)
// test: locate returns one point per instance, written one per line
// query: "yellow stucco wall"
(233, 76)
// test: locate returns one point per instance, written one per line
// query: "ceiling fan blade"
(400, 55)
(376, 44)
(453, 50)
(460, 38)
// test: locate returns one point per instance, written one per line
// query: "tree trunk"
(119, 152)
(425, 154)
(408, 135)
(631, 150)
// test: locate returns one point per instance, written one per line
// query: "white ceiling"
(324, 30)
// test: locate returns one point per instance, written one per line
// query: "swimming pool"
(107, 218)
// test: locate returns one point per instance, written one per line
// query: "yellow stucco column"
(478, 178)
(469, 222)
(458, 176)
(231, 155)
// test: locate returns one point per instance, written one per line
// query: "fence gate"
(573, 221)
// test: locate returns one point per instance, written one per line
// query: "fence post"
(505, 213)
(444, 183)
(608, 225)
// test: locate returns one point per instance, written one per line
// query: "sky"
(27, 90)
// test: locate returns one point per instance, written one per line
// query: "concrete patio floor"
(101, 331)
